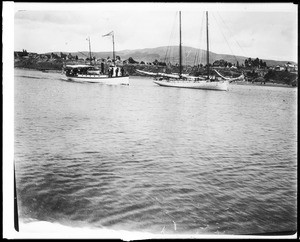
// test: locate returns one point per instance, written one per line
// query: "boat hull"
(120, 80)
(205, 85)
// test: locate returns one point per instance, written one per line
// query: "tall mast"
(113, 40)
(90, 51)
(180, 51)
(207, 52)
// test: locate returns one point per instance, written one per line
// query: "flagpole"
(113, 40)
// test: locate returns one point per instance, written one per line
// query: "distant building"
(290, 67)
(279, 68)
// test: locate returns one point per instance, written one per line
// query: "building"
(279, 68)
(290, 67)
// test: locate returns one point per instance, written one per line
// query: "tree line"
(255, 63)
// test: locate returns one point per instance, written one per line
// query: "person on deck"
(111, 72)
(102, 67)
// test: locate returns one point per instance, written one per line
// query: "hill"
(160, 53)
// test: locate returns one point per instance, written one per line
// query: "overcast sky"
(267, 31)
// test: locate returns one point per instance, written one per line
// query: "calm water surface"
(156, 159)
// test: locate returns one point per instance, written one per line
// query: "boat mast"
(207, 52)
(113, 40)
(90, 51)
(180, 50)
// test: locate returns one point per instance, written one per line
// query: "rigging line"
(196, 59)
(168, 51)
(171, 37)
(198, 49)
(224, 38)
(199, 52)
(203, 53)
(232, 34)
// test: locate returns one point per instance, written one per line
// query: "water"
(155, 159)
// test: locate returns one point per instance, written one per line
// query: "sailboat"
(91, 73)
(208, 82)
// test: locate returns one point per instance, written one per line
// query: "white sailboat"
(92, 74)
(185, 81)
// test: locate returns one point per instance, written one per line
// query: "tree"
(270, 75)
(132, 61)
(256, 62)
(155, 62)
(24, 52)
(162, 64)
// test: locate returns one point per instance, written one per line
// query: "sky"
(266, 31)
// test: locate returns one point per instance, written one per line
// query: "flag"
(109, 34)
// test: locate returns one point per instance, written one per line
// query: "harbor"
(158, 121)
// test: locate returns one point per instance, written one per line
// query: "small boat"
(180, 80)
(90, 73)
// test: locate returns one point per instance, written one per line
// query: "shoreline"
(261, 84)
(245, 83)
(41, 70)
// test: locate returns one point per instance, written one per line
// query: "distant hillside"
(189, 54)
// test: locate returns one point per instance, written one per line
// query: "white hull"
(174, 75)
(147, 73)
(206, 85)
(119, 80)
(240, 78)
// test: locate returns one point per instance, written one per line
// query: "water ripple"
(156, 159)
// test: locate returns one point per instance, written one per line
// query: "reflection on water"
(147, 158)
